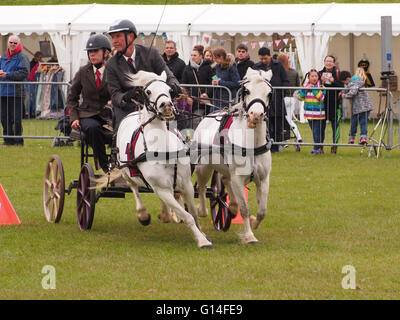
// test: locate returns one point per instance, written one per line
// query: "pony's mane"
(143, 77)
(254, 77)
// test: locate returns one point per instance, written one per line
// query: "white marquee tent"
(313, 25)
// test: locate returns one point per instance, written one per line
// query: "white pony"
(246, 138)
(144, 136)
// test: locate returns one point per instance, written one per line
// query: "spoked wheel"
(86, 197)
(54, 189)
(221, 216)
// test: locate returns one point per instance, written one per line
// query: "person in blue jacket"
(227, 75)
(14, 66)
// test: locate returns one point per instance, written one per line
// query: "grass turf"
(324, 212)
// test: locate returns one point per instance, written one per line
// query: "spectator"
(171, 58)
(289, 100)
(329, 76)
(227, 75)
(14, 66)
(90, 114)
(36, 59)
(243, 60)
(276, 111)
(31, 88)
(183, 103)
(361, 106)
(198, 72)
(314, 110)
(209, 55)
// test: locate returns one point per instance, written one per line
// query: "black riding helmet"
(98, 41)
(125, 26)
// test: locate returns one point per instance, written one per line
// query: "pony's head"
(255, 95)
(156, 94)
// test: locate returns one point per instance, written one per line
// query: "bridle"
(151, 106)
(244, 91)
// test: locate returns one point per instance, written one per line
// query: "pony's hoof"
(145, 222)
(207, 246)
(252, 243)
(253, 222)
(163, 219)
(201, 213)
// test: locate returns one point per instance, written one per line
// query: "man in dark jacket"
(277, 111)
(90, 115)
(14, 66)
(171, 58)
(129, 59)
(242, 60)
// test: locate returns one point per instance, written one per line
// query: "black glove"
(175, 90)
(133, 93)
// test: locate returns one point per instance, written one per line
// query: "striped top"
(313, 102)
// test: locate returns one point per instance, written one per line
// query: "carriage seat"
(80, 135)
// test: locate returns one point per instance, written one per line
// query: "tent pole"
(351, 51)
(313, 45)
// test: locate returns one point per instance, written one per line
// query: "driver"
(90, 115)
(129, 59)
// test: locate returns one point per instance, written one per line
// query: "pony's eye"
(148, 92)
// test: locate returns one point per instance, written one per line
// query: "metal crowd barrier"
(32, 109)
(334, 131)
(41, 114)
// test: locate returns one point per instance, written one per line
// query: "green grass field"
(324, 212)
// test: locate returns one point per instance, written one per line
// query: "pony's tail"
(107, 178)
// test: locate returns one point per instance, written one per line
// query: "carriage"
(54, 187)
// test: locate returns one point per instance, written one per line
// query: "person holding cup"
(329, 76)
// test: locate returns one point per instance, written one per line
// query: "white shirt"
(133, 57)
(101, 70)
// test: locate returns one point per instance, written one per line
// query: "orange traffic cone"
(7, 212)
(238, 219)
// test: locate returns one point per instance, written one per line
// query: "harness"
(147, 155)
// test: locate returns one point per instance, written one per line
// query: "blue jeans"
(318, 131)
(361, 118)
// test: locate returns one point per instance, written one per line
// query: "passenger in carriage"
(91, 116)
(129, 59)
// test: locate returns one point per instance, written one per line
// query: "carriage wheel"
(54, 189)
(86, 197)
(221, 216)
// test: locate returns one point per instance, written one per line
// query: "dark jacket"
(294, 81)
(176, 65)
(332, 100)
(242, 66)
(119, 75)
(93, 99)
(201, 76)
(279, 79)
(17, 69)
(228, 77)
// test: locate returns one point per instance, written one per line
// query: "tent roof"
(250, 18)
(38, 19)
(175, 18)
(233, 19)
(359, 18)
